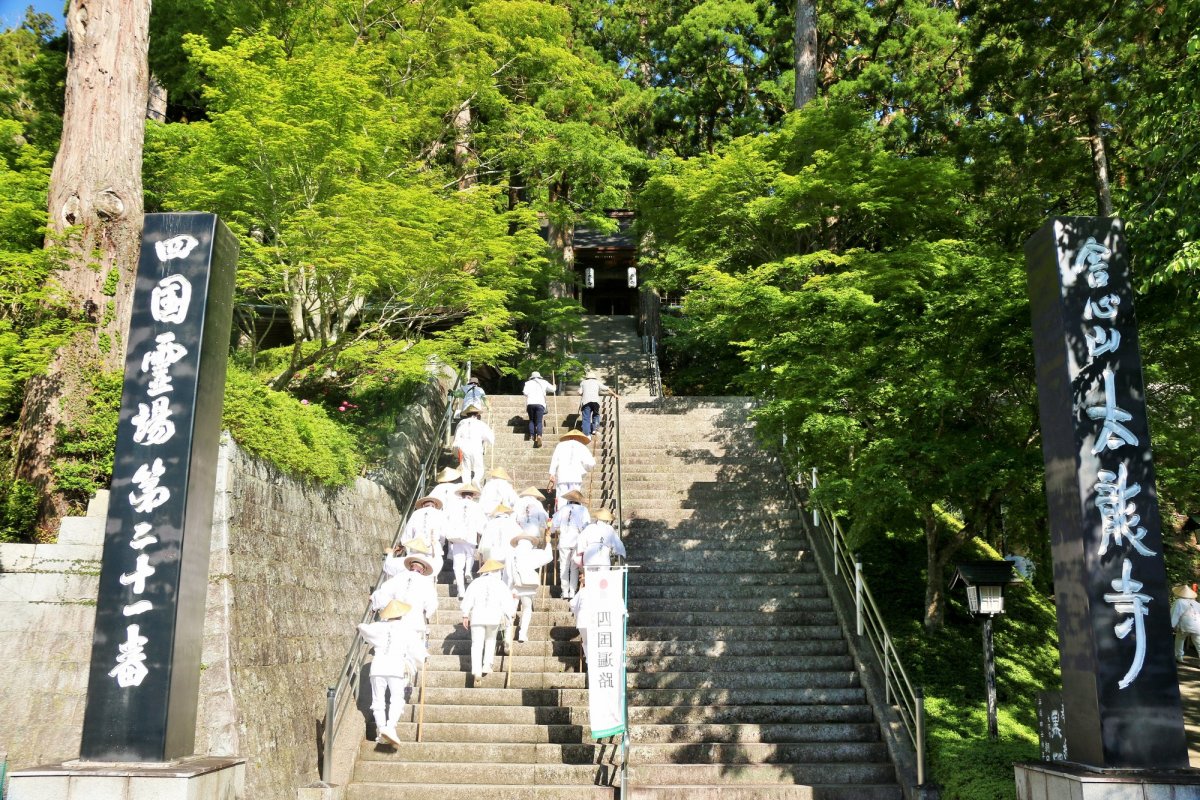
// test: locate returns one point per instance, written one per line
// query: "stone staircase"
(741, 684)
(529, 740)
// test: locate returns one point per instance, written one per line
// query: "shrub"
(18, 511)
(297, 437)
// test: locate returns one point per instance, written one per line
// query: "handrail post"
(858, 594)
(887, 678)
(330, 712)
(816, 513)
(920, 743)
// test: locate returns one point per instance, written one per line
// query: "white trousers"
(568, 573)
(561, 488)
(483, 647)
(472, 466)
(387, 715)
(526, 614)
(463, 558)
(1181, 638)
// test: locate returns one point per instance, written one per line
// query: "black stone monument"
(145, 667)
(1120, 689)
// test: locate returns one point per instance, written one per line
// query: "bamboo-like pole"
(557, 425)
(421, 709)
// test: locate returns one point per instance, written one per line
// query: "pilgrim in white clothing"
(428, 525)
(569, 521)
(535, 390)
(464, 525)
(599, 541)
(414, 585)
(469, 439)
(1185, 619)
(522, 573)
(497, 533)
(590, 390)
(399, 655)
(570, 463)
(498, 491)
(446, 487)
(486, 606)
(530, 512)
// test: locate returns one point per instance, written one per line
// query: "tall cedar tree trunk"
(464, 159)
(940, 547)
(805, 53)
(562, 240)
(1095, 138)
(96, 190)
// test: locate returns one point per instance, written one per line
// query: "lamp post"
(985, 582)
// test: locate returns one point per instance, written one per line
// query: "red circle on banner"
(604, 583)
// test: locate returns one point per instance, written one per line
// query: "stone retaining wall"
(291, 567)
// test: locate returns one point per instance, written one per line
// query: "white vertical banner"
(602, 618)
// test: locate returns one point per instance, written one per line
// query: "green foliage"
(949, 665)
(18, 511)
(33, 319)
(819, 278)
(83, 456)
(297, 437)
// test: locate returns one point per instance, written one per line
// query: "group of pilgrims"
(499, 542)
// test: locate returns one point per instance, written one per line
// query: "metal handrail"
(625, 638)
(899, 691)
(656, 387)
(339, 696)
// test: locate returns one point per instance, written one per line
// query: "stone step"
(638, 523)
(387, 767)
(739, 510)
(684, 517)
(539, 648)
(537, 633)
(807, 773)
(845, 679)
(761, 792)
(725, 580)
(719, 565)
(724, 647)
(708, 633)
(521, 663)
(430, 791)
(747, 753)
(724, 604)
(476, 713)
(642, 492)
(755, 734)
(742, 697)
(83, 531)
(486, 752)
(655, 544)
(448, 614)
(776, 665)
(639, 620)
(745, 592)
(731, 714)
(496, 732)
(461, 679)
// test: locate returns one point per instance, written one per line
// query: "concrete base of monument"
(320, 791)
(1067, 781)
(193, 778)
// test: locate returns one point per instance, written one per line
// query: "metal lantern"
(632, 273)
(589, 278)
(985, 582)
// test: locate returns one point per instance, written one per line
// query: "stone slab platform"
(1067, 781)
(195, 778)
